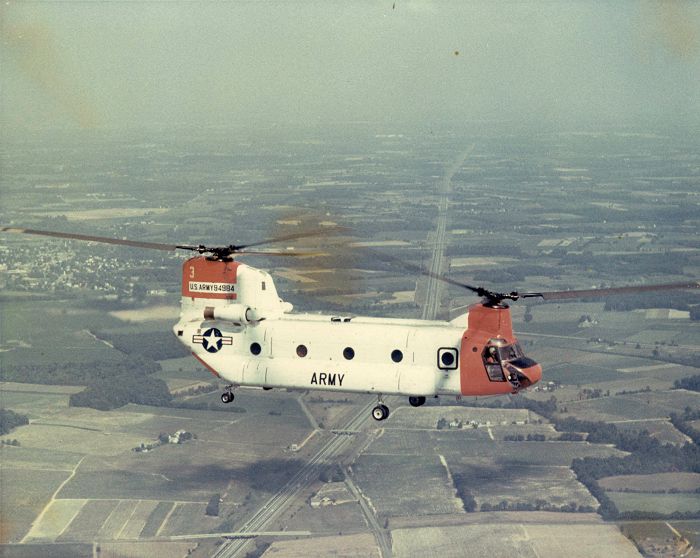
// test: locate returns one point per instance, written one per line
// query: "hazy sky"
(110, 64)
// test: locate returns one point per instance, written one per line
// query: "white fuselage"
(309, 351)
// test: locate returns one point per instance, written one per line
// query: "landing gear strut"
(416, 401)
(227, 396)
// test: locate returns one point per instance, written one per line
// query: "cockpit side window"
(510, 352)
(492, 364)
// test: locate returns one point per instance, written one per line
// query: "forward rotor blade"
(416, 268)
(289, 253)
(102, 239)
(599, 293)
(321, 231)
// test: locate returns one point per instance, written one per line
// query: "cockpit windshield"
(510, 352)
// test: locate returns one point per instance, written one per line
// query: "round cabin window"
(348, 353)
(302, 351)
(396, 355)
(255, 349)
(447, 359)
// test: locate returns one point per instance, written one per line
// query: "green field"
(581, 374)
(88, 521)
(25, 492)
(38, 458)
(430, 493)
(636, 406)
(661, 503)
(52, 332)
(155, 520)
(116, 484)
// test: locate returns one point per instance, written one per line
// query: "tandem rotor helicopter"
(234, 323)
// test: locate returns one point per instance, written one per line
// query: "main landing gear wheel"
(416, 401)
(380, 412)
(227, 397)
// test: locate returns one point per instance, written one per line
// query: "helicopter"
(235, 324)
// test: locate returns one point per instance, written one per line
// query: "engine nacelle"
(237, 313)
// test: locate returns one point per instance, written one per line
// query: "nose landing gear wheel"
(227, 397)
(380, 412)
(416, 401)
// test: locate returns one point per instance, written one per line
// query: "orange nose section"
(533, 374)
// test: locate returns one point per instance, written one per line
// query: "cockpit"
(505, 361)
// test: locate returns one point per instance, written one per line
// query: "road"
(301, 481)
(433, 287)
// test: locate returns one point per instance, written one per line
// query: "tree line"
(10, 420)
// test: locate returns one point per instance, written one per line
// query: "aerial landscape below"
(113, 437)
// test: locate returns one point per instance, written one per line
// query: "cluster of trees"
(77, 373)
(332, 473)
(10, 420)
(154, 345)
(571, 437)
(691, 382)
(521, 438)
(461, 482)
(681, 422)
(539, 505)
(213, 506)
(116, 391)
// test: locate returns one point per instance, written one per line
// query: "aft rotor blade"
(599, 293)
(321, 231)
(102, 239)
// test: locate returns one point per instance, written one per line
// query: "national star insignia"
(212, 340)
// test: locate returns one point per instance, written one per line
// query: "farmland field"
(138, 518)
(129, 484)
(661, 503)
(682, 482)
(35, 458)
(55, 519)
(87, 523)
(117, 519)
(155, 520)
(51, 437)
(557, 486)
(522, 540)
(51, 332)
(346, 546)
(189, 518)
(54, 550)
(26, 492)
(33, 404)
(630, 407)
(515, 454)
(431, 491)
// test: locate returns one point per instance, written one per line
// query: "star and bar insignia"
(212, 340)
